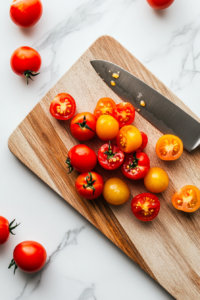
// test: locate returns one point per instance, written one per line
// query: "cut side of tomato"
(136, 165)
(124, 113)
(63, 107)
(187, 199)
(110, 156)
(169, 147)
(129, 139)
(105, 106)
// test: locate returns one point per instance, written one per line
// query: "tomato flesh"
(124, 113)
(187, 199)
(145, 207)
(89, 185)
(129, 139)
(144, 141)
(63, 107)
(105, 106)
(169, 147)
(83, 126)
(110, 156)
(160, 4)
(136, 165)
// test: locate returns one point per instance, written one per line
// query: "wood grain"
(168, 248)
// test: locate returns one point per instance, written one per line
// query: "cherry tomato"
(107, 128)
(144, 141)
(145, 207)
(124, 113)
(6, 229)
(89, 185)
(63, 107)
(26, 13)
(129, 139)
(136, 165)
(160, 4)
(169, 147)
(81, 158)
(110, 156)
(187, 199)
(25, 61)
(116, 191)
(105, 106)
(29, 256)
(157, 180)
(83, 126)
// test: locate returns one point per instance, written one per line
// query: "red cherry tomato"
(144, 141)
(136, 165)
(6, 229)
(124, 113)
(110, 157)
(26, 13)
(29, 256)
(25, 61)
(83, 126)
(63, 107)
(145, 207)
(160, 4)
(89, 185)
(81, 158)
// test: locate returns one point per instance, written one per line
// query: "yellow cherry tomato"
(157, 180)
(107, 127)
(169, 147)
(116, 191)
(129, 139)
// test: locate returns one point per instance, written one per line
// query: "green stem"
(134, 163)
(109, 153)
(13, 227)
(29, 73)
(13, 263)
(90, 182)
(70, 167)
(84, 125)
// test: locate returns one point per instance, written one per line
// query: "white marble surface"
(82, 263)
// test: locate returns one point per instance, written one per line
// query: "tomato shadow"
(27, 31)
(160, 13)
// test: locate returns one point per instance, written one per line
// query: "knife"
(153, 106)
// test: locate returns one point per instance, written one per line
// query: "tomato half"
(169, 147)
(110, 156)
(63, 107)
(89, 185)
(124, 113)
(157, 180)
(187, 199)
(160, 4)
(81, 158)
(26, 61)
(116, 191)
(145, 207)
(6, 229)
(26, 13)
(107, 128)
(83, 126)
(105, 106)
(136, 165)
(129, 139)
(29, 256)
(144, 141)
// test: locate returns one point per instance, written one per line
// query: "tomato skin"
(63, 107)
(89, 185)
(110, 157)
(145, 207)
(136, 165)
(81, 158)
(80, 125)
(160, 4)
(124, 113)
(105, 106)
(156, 181)
(187, 199)
(144, 141)
(107, 128)
(129, 139)
(26, 13)
(6, 229)
(169, 147)
(116, 191)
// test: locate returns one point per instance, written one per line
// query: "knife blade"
(158, 110)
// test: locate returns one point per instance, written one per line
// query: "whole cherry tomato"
(83, 126)
(187, 199)
(124, 113)
(160, 4)
(129, 139)
(169, 147)
(6, 229)
(110, 156)
(63, 107)
(144, 141)
(157, 180)
(136, 165)
(105, 106)
(116, 191)
(25, 61)
(29, 256)
(81, 158)
(26, 13)
(145, 207)
(107, 128)
(89, 185)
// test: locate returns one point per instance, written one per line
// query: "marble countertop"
(83, 264)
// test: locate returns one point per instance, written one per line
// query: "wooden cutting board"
(168, 248)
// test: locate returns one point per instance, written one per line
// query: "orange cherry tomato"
(83, 126)
(107, 128)
(129, 139)
(157, 180)
(105, 106)
(187, 199)
(116, 191)
(124, 113)
(169, 147)
(63, 107)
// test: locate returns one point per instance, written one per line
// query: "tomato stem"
(84, 125)
(90, 182)
(109, 153)
(13, 227)
(29, 73)
(134, 162)
(70, 167)
(13, 263)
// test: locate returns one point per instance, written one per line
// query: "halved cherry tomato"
(160, 4)
(129, 139)
(105, 106)
(124, 113)
(107, 128)
(63, 107)
(116, 191)
(156, 181)
(136, 165)
(187, 199)
(81, 158)
(144, 141)
(6, 229)
(89, 185)
(110, 156)
(83, 126)
(169, 147)
(145, 207)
